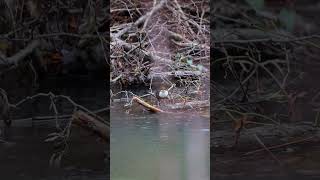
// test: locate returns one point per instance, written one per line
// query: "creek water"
(143, 145)
(147, 146)
(25, 155)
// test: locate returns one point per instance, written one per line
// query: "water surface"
(23, 153)
(148, 146)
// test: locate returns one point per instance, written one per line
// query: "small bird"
(162, 93)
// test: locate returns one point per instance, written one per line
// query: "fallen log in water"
(89, 123)
(186, 105)
(147, 105)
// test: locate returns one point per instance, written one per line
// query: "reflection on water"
(159, 147)
(25, 156)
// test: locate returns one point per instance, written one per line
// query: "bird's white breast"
(163, 93)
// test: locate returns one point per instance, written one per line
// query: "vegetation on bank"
(163, 46)
(265, 97)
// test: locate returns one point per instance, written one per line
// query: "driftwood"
(187, 105)
(146, 105)
(89, 123)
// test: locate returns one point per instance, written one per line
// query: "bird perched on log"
(162, 93)
(4, 108)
